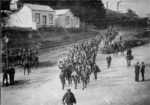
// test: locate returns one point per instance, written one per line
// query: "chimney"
(118, 3)
(13, 5)
(107, 5)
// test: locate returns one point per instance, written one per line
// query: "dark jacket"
(26, 64)
(143, 69)
(96, 69)
(108, 59)
(69, 98)
(129, 52)
(137, 68)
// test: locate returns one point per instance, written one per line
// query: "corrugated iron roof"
(61, 11)
(39, 7)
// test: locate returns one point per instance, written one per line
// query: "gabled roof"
(35, 7)
(62, 11)
(39, 7)
(76, 17)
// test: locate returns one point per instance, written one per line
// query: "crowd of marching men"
(80, 63)
(81, 59)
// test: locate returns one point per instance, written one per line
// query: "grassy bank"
(45, 38)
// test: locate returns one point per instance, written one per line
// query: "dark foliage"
(19, 37)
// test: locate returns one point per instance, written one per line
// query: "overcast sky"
(141, 7)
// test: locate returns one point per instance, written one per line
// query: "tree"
(131, 14)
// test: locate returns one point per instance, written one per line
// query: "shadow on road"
(106, 82)
(21, 82)
(46, 64)
(146, 80)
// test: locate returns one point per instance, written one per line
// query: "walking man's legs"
(142, 76)
(95, 75)
(108, 64)
(24, 71)
(137, 76)
(28, 69)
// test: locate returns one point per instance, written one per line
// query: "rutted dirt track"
(115, 86)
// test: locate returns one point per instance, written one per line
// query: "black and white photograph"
(75, 52)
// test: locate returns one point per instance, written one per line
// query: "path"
(115, 86)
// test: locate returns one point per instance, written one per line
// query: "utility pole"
(118, 3)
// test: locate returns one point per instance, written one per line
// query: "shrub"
(51, 29)
(66, 38)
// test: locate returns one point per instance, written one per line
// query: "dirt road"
(115, 86)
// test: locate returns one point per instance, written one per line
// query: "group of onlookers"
(139, 68)
(23, 57)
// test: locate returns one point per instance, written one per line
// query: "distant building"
(65, 18)
(148, 16)
(148, 22)
(32, 16)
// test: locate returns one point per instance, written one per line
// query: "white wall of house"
(23, 18)
(68, 17)
(60, 21)
(77, 22)
(26, 18)
(67, 20)
(49, 15)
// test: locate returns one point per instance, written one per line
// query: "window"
(44, 20)
(74, 22)
(67, 20)
(71, 22)
(50, 19)
(77, 21)
(37, 18)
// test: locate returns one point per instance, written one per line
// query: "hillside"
(114, 14)
(45, 38)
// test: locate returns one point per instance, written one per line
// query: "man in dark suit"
(69, 98)
(26, 65)
(95, 70)
(143, 71)
(5, 76)
(109, 61)
(129, 52)
(137, 68)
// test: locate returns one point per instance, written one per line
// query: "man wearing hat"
(95, 70)
(108, 61)
(143, 71)
(69, 98)
(137, 68)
